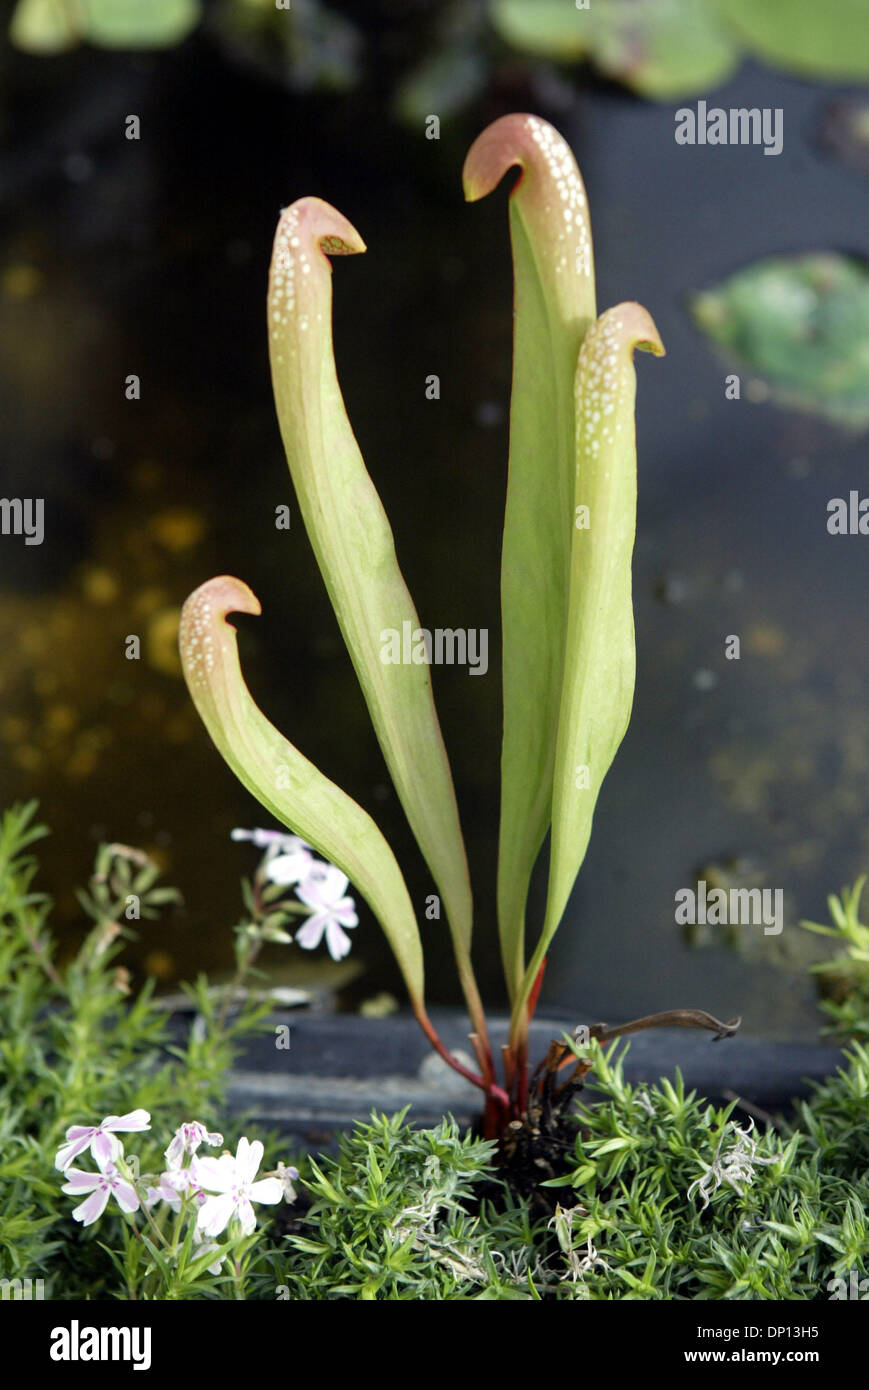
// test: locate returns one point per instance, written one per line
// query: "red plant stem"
(522, 1077)
(494, 1118)
(483, 1054)
(509, 1066)
(522, 1050)
(535, 990)
(483, 1057)
(491, 1089)
(478, 1018)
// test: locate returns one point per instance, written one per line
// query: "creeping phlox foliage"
(661, 1195)
(84, 1061)
(680, 1199)
(844, 980)
(392, 1217)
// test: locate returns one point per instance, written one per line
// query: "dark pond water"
(150, 258)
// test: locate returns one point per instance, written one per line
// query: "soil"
(537, 1148)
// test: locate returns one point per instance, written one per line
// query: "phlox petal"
(289, 868)
(345, 913)
(125, 1195)
(106, 1148)
(267, 1190)
(214, 1214)
(92, 1208)
(76, 1145)
(248, 1159)
(310, 934)
(246, 1216)
(338, 941)
(133, 1120)
(79, 1181)
(214, 1174)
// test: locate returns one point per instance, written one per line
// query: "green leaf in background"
(801, 323)
(53, 26)
(353, 543)
(309, 47)
(445, 82)
(546, 28)
(822, 40)
(140, 23)
(599, 664)
(453, 69)
(282, 780)
(47, 26)
(662, 49)
(554, 305)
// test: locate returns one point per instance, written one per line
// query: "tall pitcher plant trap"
(567, 615)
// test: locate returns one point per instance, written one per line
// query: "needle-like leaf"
(277, 774)
(554, 306)
(600, 659)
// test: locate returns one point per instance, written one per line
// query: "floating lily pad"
(139, 23)
(44, 26)
(547, 28)
(801, 324)
(822, 40)
(52, 26)
(661, 48)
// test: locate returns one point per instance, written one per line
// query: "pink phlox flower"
(288, 857)
(291, 863)
(187, 1140)
(173, 1186)
(100, 1186)
(267, 839)
(286, 1178)
(230, 1187)
(100, 1139)
(324, 890)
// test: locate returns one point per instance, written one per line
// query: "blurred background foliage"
(660, 49)
(800, 326)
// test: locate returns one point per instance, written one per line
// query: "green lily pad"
(546, 28)
(54, 26)
(821, 40)
(800, 324)
(662, 49)
(46, 26)
(139, 23)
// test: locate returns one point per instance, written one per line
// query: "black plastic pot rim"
(318, 1071)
